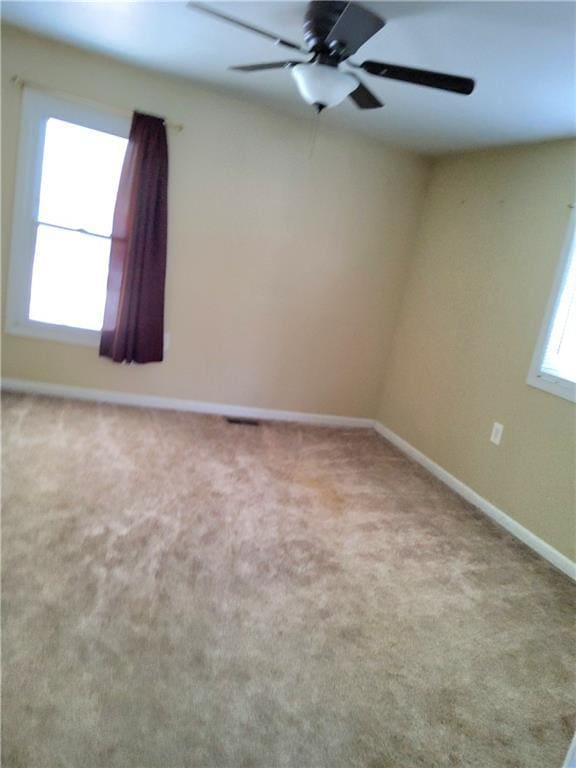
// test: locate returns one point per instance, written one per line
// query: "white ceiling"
(522, 55)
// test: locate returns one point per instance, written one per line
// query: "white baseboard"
(570, 761)
(179, 404)
(539, 546)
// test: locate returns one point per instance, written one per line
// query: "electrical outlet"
(496, 436)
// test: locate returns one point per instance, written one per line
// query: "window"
(69, 166)
(554, 365)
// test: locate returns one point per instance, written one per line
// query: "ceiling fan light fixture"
(323, 85)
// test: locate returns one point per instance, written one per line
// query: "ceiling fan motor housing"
(320, 18)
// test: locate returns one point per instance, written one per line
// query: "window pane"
(80, 174)
(560, 356)
(69, 278)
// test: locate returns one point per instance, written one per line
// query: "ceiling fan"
(334, 31)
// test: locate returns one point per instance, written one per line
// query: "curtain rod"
(21, 82)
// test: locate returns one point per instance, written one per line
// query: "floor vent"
(240, 420)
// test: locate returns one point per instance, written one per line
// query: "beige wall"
(285, 270)
(490, 240)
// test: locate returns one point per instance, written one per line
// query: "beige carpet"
(183, 593)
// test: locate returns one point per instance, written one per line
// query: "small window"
(554, 364)
(69, 168)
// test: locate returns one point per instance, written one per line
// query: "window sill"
(60, 333)
(558, 387)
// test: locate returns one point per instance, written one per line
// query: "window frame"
(37, 108)
(547, 382)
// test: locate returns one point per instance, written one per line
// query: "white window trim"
(37, 108)
(536, 377)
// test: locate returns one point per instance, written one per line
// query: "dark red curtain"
(133, 329)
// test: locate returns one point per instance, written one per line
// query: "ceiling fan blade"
(364, 98)
(260, 67)
(231, 20)
(439, 80)
(354, 27)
